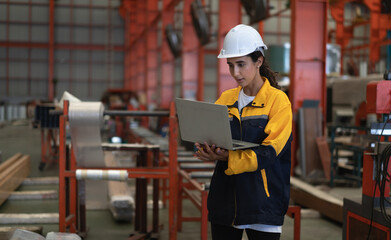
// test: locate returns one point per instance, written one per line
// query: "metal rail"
(124, 113)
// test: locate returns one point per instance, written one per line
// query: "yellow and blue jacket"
(253, 185)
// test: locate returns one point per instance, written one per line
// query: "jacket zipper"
(240, 124)
(241, 138)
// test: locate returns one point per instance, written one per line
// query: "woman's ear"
(260, 61)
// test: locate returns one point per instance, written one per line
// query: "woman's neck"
(253, 88)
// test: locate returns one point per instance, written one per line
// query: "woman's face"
(244, 70)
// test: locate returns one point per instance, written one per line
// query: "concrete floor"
(21, 137)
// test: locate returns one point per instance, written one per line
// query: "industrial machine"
(72, 199)
(370, 216)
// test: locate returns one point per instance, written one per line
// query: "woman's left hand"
(211, 153)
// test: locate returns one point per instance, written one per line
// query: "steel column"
(133, 45)
(140, 47)
(71, 17)
(7, 50)
(109, 44)
(29, 50)
(308, 55)
(51, 51)
(229, 17)
(201, 77)
(260, 28)
(125, 10)
(152, 51)
(130, 8)
(375, 33)
(168, 62)
(190, 49)
(173, 173)
(388, 62)
(62, 168)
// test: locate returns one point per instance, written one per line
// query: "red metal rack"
(72, 209)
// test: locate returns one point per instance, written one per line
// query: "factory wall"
(87, 36)
(89, 46)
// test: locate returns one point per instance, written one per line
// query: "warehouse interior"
(123, 172)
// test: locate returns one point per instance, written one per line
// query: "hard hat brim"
(231, 55)
(221, 55)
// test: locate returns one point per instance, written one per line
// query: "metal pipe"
(113, 175)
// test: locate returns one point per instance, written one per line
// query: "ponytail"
(265, 69)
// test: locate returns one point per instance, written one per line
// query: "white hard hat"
(240, 41)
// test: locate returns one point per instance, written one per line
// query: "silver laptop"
(207, 122)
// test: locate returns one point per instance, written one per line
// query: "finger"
(197, 145)
(200, 152)
(213, 148)
(207, 148)
(206, 154)
(203, 156)
(222, 154)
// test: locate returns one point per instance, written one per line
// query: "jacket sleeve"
(278, 129)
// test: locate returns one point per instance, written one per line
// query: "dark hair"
(265, 69)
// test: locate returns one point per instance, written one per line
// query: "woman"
(250, 188)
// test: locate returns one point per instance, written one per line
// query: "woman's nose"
(236, 71)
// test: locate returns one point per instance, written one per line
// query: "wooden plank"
(310, 128)
(29, 218)
(306, 195)
(12, 167)
(325, 156)
(33, 195)
(15, 171)
(13, 176)
(9, 161)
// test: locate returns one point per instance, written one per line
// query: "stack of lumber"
(12, 173)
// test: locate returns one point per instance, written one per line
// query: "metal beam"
(229, 17)
(140, 48)
(125, 9)
(168, 63)
(152, 51)
(307, 57)
(51, 51)
(189, 55)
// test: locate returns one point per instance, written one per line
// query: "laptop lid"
(206, 122)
